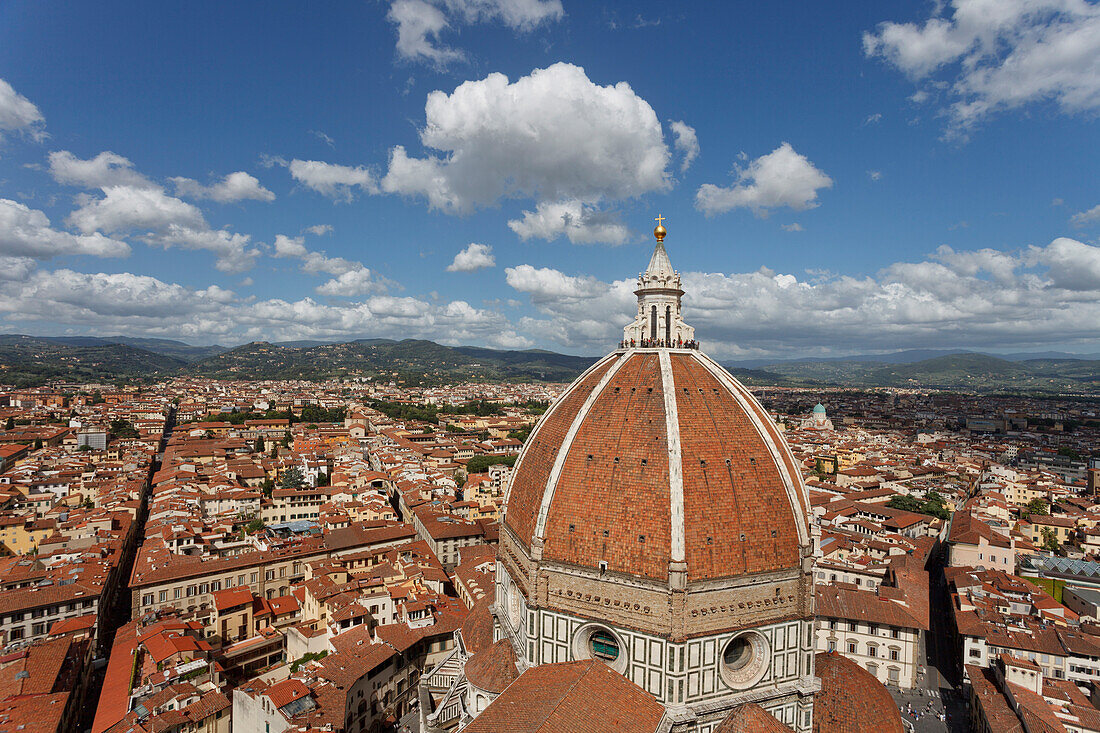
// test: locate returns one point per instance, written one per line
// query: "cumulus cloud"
(971, 299)
(15, 268)
(993, 56)
(319, 229)
(580, 222)
(351, 278)
(782, 178)
(338, 182)
(474, 257)
(239, 186)
(1085, 218)
(26, 232)
(551, 135)
(105, 169)
(420, 23)
(131, 203)
(686, 142)
(143, 305)
(354, 282)
(19, 114)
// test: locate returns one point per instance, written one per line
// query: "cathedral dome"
(657, 462)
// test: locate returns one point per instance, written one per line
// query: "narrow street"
(118, 612)
(939, 690)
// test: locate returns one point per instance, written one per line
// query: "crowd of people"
(658, 344)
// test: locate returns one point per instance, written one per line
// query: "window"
(832, 646)
(851, 647)
(163, 596)
(177, 593)
(853, 626)
(873, 669)
(894, 654)
(147, 599)
(895, 633)
(872, 629)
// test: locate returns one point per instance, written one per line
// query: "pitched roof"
(571, 697)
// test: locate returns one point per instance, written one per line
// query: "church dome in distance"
(852, 700)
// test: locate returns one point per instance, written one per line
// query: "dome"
(494, 668)
(819, 409)
(852, 700)
(657, 459)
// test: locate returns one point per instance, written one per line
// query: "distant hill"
(960, 371)
(410, 361)
(168, 347)
(28, 360)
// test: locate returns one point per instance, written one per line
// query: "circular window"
(515, 606)
(744, 660)
(599, 642)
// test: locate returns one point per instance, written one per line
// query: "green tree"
(1050, 539)
(480, 464)
(259, 447)
(1037, 507)
(286, 439)
(267, 486)
(123, 428)
(292, 479)
(254, 526)
(323, 479)
(37, 443)
(10, 424)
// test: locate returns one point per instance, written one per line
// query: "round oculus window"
(744, 660)
(599, 642)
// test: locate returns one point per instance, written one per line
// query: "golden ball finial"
(659, 231)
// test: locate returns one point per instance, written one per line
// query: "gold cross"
(659, 219)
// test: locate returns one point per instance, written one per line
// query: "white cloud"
(19, 114)
(418, 27)
(874, 175)
(782, 178)
(350, 278)
(237, 186)
(969, 299)
(290, 246)
(1072, 265)
(106, 169)
(474, 257)
(550, 135)
(873, 119)
(142, 305)
(131, 203)
(795, 227)
(335, 181)
(1084, 218)
(420, 24)
(26, 232)
(547, 284)
(125, 208)
(1000, 55)
(359, 281)
(687, 142)
(581, 223)
(15, 268)
(319, 229)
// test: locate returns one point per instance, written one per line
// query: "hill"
(965, 371)
(28, 360)
(167, 347)
(410, 361)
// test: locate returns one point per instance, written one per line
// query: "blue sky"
(837, 178)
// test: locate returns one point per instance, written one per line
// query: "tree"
(37, 443)
(1050, 539)
(254, 526)
(122, 428)
(259, 444)
(1037, 506)
(480, 464)
(292, 479)
(286, 439)
(10, 425)
(274, 451)
(267, 487)
(323, 479)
